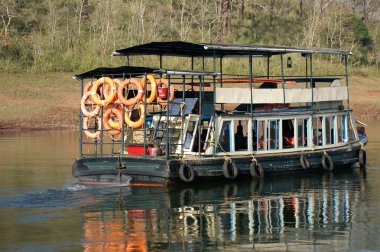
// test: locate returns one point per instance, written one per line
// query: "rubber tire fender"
(256, 170)
(226, 171)
(305, 164)
(327, 163)
(182, 173)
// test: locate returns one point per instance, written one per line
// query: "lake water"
(42, 208)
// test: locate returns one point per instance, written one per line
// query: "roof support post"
(182, 113)
(200, 114)
(212, 124)
(346, 76)
(268, 66)
(144, 101)
(311, 81)
(282, 77)
(81, 123)
(192, 77)
(167, 144)
(251, 91)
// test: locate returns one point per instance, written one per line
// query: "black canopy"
(187, 49)
(123, 71)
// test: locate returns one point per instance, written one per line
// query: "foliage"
(67, 35)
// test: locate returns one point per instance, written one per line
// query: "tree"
(7, 13)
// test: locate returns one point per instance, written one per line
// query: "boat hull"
(159, 171)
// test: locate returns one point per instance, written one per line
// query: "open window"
(225, 136)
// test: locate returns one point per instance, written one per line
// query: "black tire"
(228, 165)
(362, 158)
(304, 162)
(327, 163)
(186, 173)
(256, 170)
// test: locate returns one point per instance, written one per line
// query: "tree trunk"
(241, 10)
(85, 9)
(226, 16)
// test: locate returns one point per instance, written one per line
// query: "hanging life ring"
(153, 85)
(304, 162)
(110, 96)
(162, 101)
(112, 130)
(138, 123)
(230, 170)
(107, 88)
(93, 135)
(362, 158)
(327, 163)
(186, 172)
(256, 170)
(83, 106)
(134, 100)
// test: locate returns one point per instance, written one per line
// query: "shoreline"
(33, 102)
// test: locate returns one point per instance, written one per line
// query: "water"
(42, 208)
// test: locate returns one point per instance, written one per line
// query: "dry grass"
(41, 101)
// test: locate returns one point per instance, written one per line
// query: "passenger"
(240, 139)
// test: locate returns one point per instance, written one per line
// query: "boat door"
(190, 136)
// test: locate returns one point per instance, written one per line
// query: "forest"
(74, 35)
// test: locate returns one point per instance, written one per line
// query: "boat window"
(288, 133)
(191, 129)
(302, 126)
(340, 128)
(329, 130)
(224, 137)
(351, 132)
(317, 131)
(274, 133)
(241, 133)
(261, 145)
(254, 135)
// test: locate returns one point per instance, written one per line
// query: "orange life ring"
(171, 97)
(95, 85)
(134, 100)
(153, 85)
(83, 106)
(138, 123)
(106, 121)
(87, 87)
(115, 99)
(93, 135)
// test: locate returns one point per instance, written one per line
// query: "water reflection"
(301, 213)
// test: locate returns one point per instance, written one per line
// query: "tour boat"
(224, 112)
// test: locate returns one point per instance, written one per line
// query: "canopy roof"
(123, 71)
(187, 49)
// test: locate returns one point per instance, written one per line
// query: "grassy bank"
(47, 101)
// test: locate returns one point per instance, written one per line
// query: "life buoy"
(93, 135)
(362, 158)
(186, 172)
(95, 85)
(87, 87)
(256, 170)
(138, 123)
(153, 85)
(327, 163)
(107, 89)
(112, 130)
(162, 101)
(304, 162)
(133, 100)
(112, 122)
(83, 104)
(229, 164)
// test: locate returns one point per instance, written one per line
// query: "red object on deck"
(163, 92)
(137, 149)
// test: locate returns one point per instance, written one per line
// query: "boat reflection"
(301, 213)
